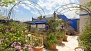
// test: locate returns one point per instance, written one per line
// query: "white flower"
(29, 35)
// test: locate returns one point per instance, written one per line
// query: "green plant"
(51, 39)
(59, 33)
(38, 41)
(86, 38)
(6, 2)
(52, 25)
(13, 32)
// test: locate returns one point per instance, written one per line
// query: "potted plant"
(65, 38)
(38, 41)
(68, 32)
(51, 41)
(60, 35)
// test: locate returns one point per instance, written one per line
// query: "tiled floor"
(68, 46)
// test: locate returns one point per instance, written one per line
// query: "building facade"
(83, 17)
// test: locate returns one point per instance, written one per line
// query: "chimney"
(32, 18)
(54, 15)
(40, 17)
(43, 16)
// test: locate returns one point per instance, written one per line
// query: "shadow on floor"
(62, 44)
(53, 50)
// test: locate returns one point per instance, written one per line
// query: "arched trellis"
(21, 2)
(82, 7)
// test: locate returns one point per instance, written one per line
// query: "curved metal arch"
(40, 7)
(33, 6)
(9, 14)
(81, 6)
(73, 3)
(75, 9)
(68, 10)
(71, 10)
(63, 6)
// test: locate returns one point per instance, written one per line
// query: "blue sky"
(24, 12)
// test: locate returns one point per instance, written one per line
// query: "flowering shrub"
(13, 37)
(18, 46)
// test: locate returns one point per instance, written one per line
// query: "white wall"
(41, 25)
(83, 1)
(83, 19)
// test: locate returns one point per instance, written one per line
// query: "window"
(41, 25)
(33, 26)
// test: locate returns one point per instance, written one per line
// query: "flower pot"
(65, 38)
(60, 40)
(52, 46)
(38, 48)
(68, 33)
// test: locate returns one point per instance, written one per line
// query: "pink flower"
(27, 45)
(11, 29)
(14, 42)
(19, 43)
(6, 30)
(21, 50)
(17, 47)
(31, 49)
(13, 45)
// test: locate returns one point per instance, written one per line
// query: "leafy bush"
(51, 39)
(13, 37)
(86, 38)
(60, 34)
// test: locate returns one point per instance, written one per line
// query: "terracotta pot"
(65, 38)
(52, 46)
(38, 49)
(60, 40)
(68, 33)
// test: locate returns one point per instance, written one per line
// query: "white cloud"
(55, 4)
(71, 14)
(30, 4)
(50, 4)
(35, 13)
(26, 7)
(74, 1)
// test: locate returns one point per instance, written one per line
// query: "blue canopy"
(63, 17)
(73, 23)
(43, 21)
(38, 22)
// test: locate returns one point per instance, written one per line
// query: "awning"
(63, 17)
(38, 22)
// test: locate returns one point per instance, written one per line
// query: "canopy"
(63, 17)
(38, 22)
